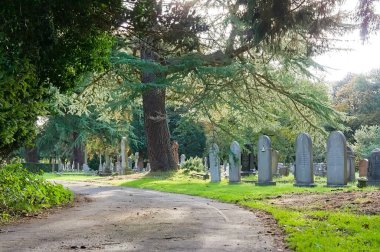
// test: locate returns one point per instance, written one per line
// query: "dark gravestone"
(350, 164)
(373, 174)
(247, 158)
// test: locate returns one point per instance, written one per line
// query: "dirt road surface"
(110, 218)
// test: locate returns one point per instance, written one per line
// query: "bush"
(193, 164)
(37, 167)
(23, 192)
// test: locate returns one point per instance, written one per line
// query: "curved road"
(125, 219)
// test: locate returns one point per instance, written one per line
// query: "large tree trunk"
(157, 131)
(78, 153)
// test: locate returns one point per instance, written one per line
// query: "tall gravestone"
(336, 159)
(123, 156)
(235, 163)
(264, 156)
(275, 157)
(214, 163)
(85, 168)
(363, 167)
(350, 164)
(304, 161)
(373, 174)
(100, 164)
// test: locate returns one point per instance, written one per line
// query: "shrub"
(193, 164)
(23, 192)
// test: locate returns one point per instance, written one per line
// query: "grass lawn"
(307, 229)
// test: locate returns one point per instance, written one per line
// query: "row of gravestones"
(340, 163)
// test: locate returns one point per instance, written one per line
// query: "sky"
(361, 58)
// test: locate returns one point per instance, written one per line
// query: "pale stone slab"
(182, 159)
(264, 156)
(304, 161)
(275, 157)
(214, 163)
(123, 167)
(336, 159)
(235, 163)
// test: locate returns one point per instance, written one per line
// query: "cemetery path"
(110, 218)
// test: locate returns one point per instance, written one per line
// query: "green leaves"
(22, 192)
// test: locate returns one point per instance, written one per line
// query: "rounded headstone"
(235, 163)
(214, 163)
(264, 156)
(373, 174)
(336, 159)
(304, 161)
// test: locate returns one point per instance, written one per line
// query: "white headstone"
(182, 159)
(235, 163)
(214, 163)
(136, 161)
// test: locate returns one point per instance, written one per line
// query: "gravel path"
(112, 218)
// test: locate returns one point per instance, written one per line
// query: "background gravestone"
(275, 157)
(182, 159)
(363, 167)
(264, 156)
(247, 159)
(350, 164)
(123, 167)
(336, 159)
(304, 161)
(214, 163)
(235, 163)
(373, 174)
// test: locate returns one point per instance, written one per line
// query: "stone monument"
(275, 156)
(350, 164)
(304, 161)
(264, 156)
(373, 174)
(235, 163)
(123, 168)
(336, 159)
(214, 163)
(182, 159)
(363, 167)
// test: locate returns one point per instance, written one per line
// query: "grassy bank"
(22, 192)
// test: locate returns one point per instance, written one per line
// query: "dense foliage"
(44, 43)
(22, 192)
(367, 138)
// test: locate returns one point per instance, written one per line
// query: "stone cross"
(350, 164)
(336, 159)
(264, 156)
(275, 156)
(235, 163)
(373, 174)
(363, 167)
(123, 158)
(214, 163)
(304, 161)
(183, 159)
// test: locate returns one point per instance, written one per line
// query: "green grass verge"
(306, 230)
